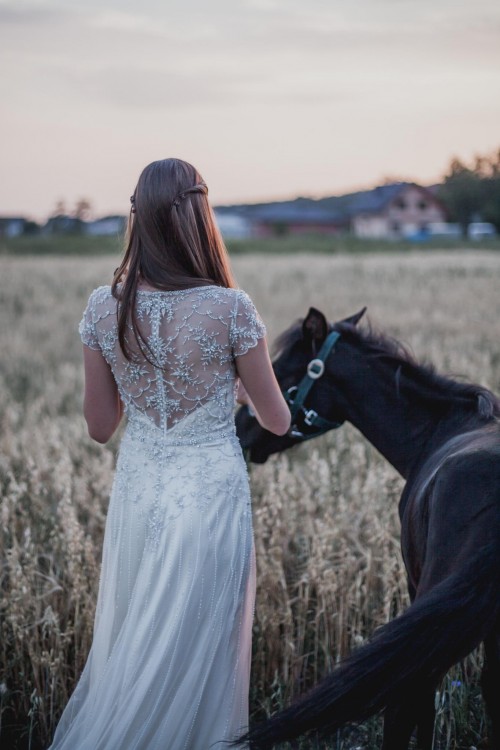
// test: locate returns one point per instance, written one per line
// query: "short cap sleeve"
(247, 327)
(87, 327)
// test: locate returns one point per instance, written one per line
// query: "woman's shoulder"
(233, 294)
(243, 301)
(221, 294)
(100, 294)
(238, 302)
(100, 297)
(100, 306)
(100, 303)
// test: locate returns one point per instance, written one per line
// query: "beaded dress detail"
(170, 659)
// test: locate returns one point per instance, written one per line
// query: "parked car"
(444, 229)
(479, 230)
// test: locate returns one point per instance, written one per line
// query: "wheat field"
(325, 514)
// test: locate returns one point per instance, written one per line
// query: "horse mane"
(375, 343)
(378, 344)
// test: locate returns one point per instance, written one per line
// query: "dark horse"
(443, 437)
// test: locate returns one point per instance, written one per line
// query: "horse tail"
(441, 627)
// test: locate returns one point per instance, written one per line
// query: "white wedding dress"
(170, 659)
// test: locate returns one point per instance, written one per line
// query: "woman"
(167, 343)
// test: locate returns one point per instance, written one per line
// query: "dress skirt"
(170, 660)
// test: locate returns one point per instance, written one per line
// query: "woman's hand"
(265, 401)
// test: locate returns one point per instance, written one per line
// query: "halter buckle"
(309, 417)
(315, 368)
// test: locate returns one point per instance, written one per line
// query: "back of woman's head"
(172, 235)
(172, 239)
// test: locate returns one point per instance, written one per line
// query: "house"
(444, 230)
(398, 210)
(232, 225)
(394, 211)
(301, 216)
(63, 224)
(107, 226)
(12, 226)
(298, 216)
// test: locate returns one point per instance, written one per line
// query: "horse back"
(451, 509)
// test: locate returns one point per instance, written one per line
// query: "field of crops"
(325, 514)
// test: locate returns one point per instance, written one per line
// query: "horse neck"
(402, 430)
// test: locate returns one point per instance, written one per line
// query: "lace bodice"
(194, 336)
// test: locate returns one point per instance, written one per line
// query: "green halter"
(296, 395)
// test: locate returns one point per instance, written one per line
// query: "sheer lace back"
(193, 337)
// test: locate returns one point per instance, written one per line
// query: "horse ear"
(354, 319)
(315, 327)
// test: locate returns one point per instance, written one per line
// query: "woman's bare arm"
(264, 395)
(102, 407)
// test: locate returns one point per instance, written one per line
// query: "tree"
(83, 209)
(490, 169)
(31, 227)
(468, 192)
(461, 193)
(59, 208)
(63, 223)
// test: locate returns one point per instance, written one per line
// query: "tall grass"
(325, 514)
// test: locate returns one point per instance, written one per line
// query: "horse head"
(307, 363)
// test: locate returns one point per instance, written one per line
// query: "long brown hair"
(172, 241)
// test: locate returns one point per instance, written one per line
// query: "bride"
(168, 343)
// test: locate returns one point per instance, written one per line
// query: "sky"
(269, 99)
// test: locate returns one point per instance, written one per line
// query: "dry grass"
(325, 514)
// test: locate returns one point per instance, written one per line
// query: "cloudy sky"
(268, 98)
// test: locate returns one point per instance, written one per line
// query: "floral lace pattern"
(193, 336)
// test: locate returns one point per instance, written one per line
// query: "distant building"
(298, 216)
(444, 230)
(107, 226)
(295, 217)
(387, 212)
(232, 226)
(63, 224)
(399, 210)
(12, 226)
